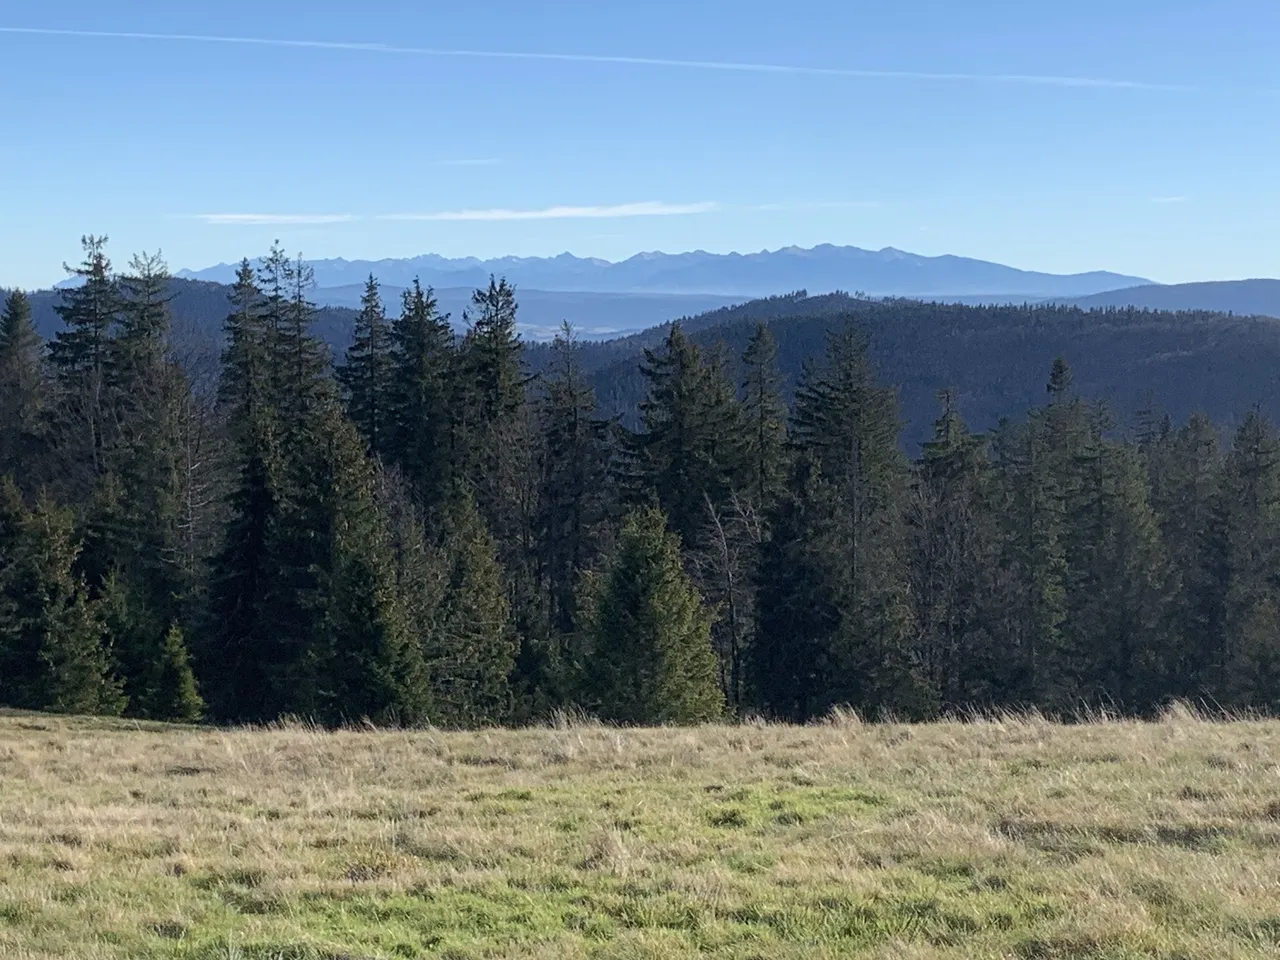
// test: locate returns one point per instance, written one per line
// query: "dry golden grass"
(1014, 838)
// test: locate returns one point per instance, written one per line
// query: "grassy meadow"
(1013, 838)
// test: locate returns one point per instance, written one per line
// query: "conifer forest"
(424, 530)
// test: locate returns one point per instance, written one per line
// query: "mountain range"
(879, 273)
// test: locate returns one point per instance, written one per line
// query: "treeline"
(427, 533)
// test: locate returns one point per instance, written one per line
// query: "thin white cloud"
(272, 219)
(470, 162)
(1168, 199)
(816, 205)
(773, 68)
(647, 209)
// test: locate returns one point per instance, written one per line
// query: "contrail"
(774, 68)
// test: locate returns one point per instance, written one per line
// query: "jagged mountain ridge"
(885, 272)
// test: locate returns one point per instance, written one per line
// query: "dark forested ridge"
(993, 357)
(716, 518)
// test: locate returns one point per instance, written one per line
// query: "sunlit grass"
(1012, 838)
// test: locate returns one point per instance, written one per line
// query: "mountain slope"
(997, 359)
(593, 315)
(1247, 297)
(200, 307)
(886, 272)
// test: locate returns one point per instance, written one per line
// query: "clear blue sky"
(981, 128)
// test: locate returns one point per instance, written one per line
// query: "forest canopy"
(439, 523)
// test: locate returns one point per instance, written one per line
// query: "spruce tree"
(82, 417)
(1187, 503)
(1250, 524)
(175, 695)
(367, 376)
(473, 647)
(765, 415)
(424, 390)
(22, 400)
(689, 449)
(378, 669)
(846, 427)
(243, 387)
(792, 666)
(955, 552)
(16, 660)
(575, 494)
(648, 633)
(1118, 634)
(237, 656)
(57, 649)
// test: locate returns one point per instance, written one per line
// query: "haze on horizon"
(1125, 137)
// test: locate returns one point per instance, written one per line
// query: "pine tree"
(238, 655)
(89, 310)
(1250, 523)
(83, 418)
(575, 490)
(378, 670)
(790, 667)
(175, 696)
(367, 376)
(955, 548)
(648, 633)
(16, 662)
(137, 351)
(300, 359)
(496, 432)
(22, 400)
(845, 429)
(1118, 634)
(689, 449)
(1187, 504)
(57, 651)
(423, 360)
(498, 438)
(243, 388)
(473, 646)
(765, 414)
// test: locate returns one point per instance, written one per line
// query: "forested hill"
(427, 534)
(994, 357)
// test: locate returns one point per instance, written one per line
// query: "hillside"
(1007, 839)
(996, 357)
(593, 315)
(1246, 297)
(200, 307)
(886, 272)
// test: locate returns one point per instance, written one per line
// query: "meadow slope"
(1017, 838)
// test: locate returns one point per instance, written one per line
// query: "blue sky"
(1140, 137)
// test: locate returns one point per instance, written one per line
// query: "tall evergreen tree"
(689, 449)
(22, 400)
(1187, 502)
(575, 494)
(955, 551)
(423, 377)
(57, 657)
(83, 419)
(766, 416)
(243, 387)
(1250, 523)
(367, 376)
(473, 648)
(846, 427)
(648, 633)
